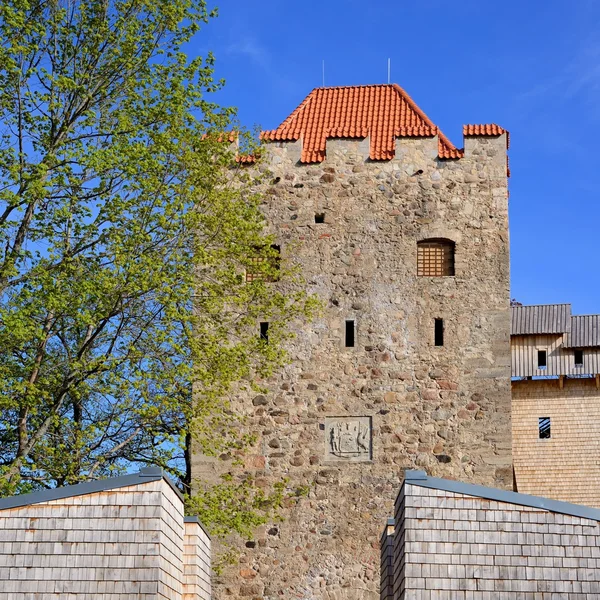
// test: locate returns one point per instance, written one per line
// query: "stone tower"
(405, 239)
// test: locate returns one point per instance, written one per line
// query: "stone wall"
(406, 401)
(457, 547)
(117, 544)
(565, 466)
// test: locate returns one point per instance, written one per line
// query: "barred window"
(257, 273)
(435, 258)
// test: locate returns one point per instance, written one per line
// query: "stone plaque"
(348, 438)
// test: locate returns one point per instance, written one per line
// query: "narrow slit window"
(319, 217)
(439, 332)
(544, 428)
(350, 334)
(579, 358)
(264, 331)
(542, 359)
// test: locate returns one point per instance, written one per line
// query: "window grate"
(435, 258)
(544, 428)
(256, 271)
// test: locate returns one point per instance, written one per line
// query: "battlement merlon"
(482, 146)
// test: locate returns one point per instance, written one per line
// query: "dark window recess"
(349, 334)
(544, 428)
(264, 331)
(439, 332)
(319, 217)
(542, 359)
(579, 358)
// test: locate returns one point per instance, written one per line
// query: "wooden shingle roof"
(585, 332)
(540, 319)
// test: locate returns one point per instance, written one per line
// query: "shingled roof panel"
(585, 332)
(540, 319)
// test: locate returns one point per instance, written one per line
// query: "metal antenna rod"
(389, 68)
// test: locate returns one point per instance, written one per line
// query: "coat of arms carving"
(348, 438)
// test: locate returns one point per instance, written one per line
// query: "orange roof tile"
(246, 159)
(381, 112)
(490, 129)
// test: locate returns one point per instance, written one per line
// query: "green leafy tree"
(126, 227)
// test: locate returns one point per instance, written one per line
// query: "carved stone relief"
(348, 438)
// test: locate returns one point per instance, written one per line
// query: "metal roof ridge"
(421, 479)
(548, 304)
(196, 519)
(145, 475)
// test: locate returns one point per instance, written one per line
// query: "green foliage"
(125, 231)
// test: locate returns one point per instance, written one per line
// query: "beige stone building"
(404, 237)
(556, 403)
(124, 538)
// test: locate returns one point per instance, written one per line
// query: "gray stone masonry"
(403, 401)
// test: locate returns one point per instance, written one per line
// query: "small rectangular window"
(435, 258)
(264, 331)
(319, 217)
(439, 332)
(544, 428)
(254, 272)
(349, 334)
(578, 358)
(542, 359)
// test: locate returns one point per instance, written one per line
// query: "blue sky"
(531, 66)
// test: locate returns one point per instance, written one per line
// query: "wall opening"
(542, 359)
(319, 217)
(264, 331)
(435, 258)
(265, 265)
(544, 428)
(350, 337)
(578, 358)
(438, 332)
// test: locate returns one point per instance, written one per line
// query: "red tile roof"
(381, 112)
(491, 130)
(486, 130)
(245, 159)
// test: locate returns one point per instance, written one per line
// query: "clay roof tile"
(381, 112)
(489, 129)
